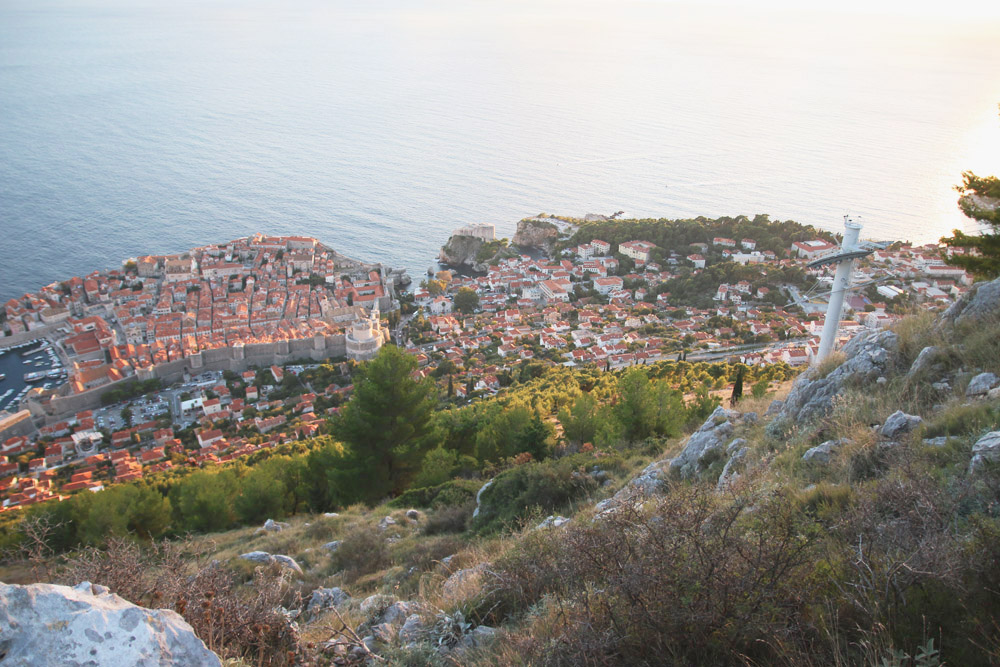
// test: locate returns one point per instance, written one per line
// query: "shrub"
(233, 620)
(451, 519)
(547, 487)
(362, 550)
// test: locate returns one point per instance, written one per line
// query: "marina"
(28, 365)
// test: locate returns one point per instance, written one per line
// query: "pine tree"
(980, 201)
(388, 427)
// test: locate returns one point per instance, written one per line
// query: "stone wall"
(236, 359)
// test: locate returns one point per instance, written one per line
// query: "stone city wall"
(236, 359)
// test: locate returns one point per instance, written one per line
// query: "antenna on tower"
(844, 257)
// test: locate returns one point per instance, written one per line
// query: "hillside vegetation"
(854, 521)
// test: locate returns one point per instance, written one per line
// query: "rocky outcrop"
(986, 450)
(535, 233)
(737, 451)
(265, 558)
(326, 598)
(45, 624)
(552, 521)
(981, 302)
(272, 526)
(868, 357)
(823, 453)
(705, 445)
(898, 424)
(981, 384)
(462, 251)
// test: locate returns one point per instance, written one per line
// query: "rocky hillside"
(855, 519)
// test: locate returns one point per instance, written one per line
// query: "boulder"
(264, 558)
(650, 481)
(936, 442)
(479, 495)
(706, 444)
(552, 522)
(981, 302)
(929, 361)
(272, 526)
(823, 453)
(326, 598)
(480, 636)
(735, 462)
(413, 515)
(899, 423)
(287, 561)
(45, 624)
(386, 522)
(332, 546)
(397, 613)
(981, 384)
(331, 515)
(986, 449)
(868, 356)
(413, 630)
(384, 632)
(257, 557)
(373, 606)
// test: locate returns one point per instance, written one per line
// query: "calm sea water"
(151, 127)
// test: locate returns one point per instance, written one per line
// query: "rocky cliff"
(462, 251)
(536, 233)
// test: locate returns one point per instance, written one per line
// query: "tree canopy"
(388, 427)
(466, 300)
(980, 201)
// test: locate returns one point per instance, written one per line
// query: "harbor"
(25, 366)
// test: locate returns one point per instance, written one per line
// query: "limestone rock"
(326, 598)
(384, 632)
(257, 557)
(264, 558)
(397, 613)
(413, 515)
(823, 452)
(928, 361)
(386, 522)
(986, 449)
(331, 515)
(982, 301)
(729, 472)
(480, 636)
(981, 384)
(413, 630)
(535, 233)
(45, 624)
(552, 522)
(868, 357)
(479, 496)
(936, 442)
(899, 423)
(706, 444)
(272, 526)
(373, 606)
(332, 546)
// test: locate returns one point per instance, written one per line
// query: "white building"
(480, 230)
(366, 336)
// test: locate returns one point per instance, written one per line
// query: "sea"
(132, 127)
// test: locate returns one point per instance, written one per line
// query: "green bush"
(548, 486)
